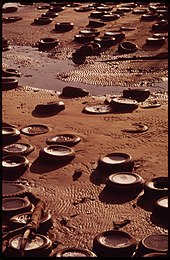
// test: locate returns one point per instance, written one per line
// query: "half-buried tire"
(57, 153)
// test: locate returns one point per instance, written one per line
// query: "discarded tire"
(89, 49)
(161, 207)
(136, 128)
(50, 107)
(57, 9)
(18, 149)
(104, 8)
(64, 26)
(12, 189)
(125, 182)
(23, 219)
(123, 104)
(38, 245)
(57, 153)
(8, 72)
(127, 47)
(105, 41)
(73, 92)
(140, 11)
(11, 19)
(13, 166)
(63, 139)
(153, 243)
(50, 14)
(9, 9)
(110, 17)
(149, 17)
(161, 26)
(114, 243)
(81, 38)
(125, 9)
(156, 187)
(115, 34)
(84, 9)
(138, 94)
(115, 162)
(127, 28)
(155, 41)
(74, 252)
(91, 31)
(46, 43)
(14, 205)
(43, 20)
(36, 129)
(10, 135)
(96, 23)
(98, 109)
(9, 83)
(97, 14)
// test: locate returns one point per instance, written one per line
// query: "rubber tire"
(142, 128)
(50, 107)
(144, 247)
(74, 92)
(45, 222)
(9, 9)
(119, 106)
(42, 251)
(73, 139)
(11, 137)
(89, 32)
(9, 83)
(80, 38)
(43, 20)
(98, 109)
(139, 95)
(64, 26)
(69, 250)
(96, 23)
(97, 14)
(10, 73)
(44, 155)
(151, 191)
(102, 250)
(160, 26)
(13, 173)
(160, 210)
(50, 14)
(11, 19)
(46, 129)
(105, 41)
(127, 47)
(29, 148)
(149, 17)
(110, 17)
(107, 168)
(18, 189)
(152, 41)
(8, 213)
(46, 43)
(104, 8)
(117, 35)
(128, 188)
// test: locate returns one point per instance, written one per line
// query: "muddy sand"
(84, 201)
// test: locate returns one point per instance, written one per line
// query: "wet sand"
(84, 202)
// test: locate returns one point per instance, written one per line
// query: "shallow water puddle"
(39, 71)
